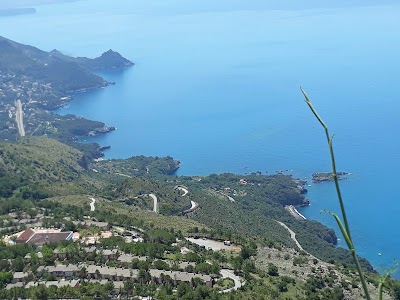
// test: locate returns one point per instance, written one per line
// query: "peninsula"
(42, 82)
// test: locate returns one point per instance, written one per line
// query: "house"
(58, 284)
(21, 277)
(90, 252)
(63, 283)
(127, 258)
(62, 271)
(60, 254)
(118, 286)
(14, 285)
(178, 277)
(110, 254)
(185, 264)
(101, 225)
(28, 257)
(110, 273)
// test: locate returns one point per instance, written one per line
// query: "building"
(178, 277)
(40, 237)
(21, 277)
(58, 284)
(62, 271)
(25, 236)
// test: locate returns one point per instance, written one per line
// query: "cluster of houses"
(72, 275)
(22, 86)
(65, 274)
(41, 236)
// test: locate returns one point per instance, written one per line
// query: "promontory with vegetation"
(77, 227)
(45, 81)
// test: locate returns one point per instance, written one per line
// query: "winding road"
(292, 235)
(92, 208)
(229, 274)
(185, 191)
(19, 117)
(194, 205)
(227, 196)
(155, 201)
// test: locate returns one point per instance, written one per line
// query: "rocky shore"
(294, 212)
(101, 130)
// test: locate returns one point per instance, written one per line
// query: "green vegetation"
(139, 166)
(47, 168)
(41, 176)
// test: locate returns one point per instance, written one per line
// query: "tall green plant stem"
(345, 229)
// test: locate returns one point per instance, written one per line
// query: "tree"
(272, 270)
(160, 265)
(40, 293)
(249, 266)
(5, 277)
(128, 287)
(18, 264)
(183, 289)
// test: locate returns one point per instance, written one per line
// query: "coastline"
(294, 212)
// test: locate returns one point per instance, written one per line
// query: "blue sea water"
(216, 85)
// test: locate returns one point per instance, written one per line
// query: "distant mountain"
(65, 74)
(16, 11)
(108, 60)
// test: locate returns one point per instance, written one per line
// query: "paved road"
(19, 117)
(194, 205)
(229, 274)
(155, 200)
(227, 196)
(92, 208)
(185, 191)
(292, 235)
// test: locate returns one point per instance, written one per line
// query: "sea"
(216, 85)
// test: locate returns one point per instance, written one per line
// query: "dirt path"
(19, 117)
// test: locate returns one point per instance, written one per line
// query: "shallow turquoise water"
(217, 87)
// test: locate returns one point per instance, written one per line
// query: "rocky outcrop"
(327, 177)
(101, 130)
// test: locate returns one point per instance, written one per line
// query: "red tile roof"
(26, 235)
